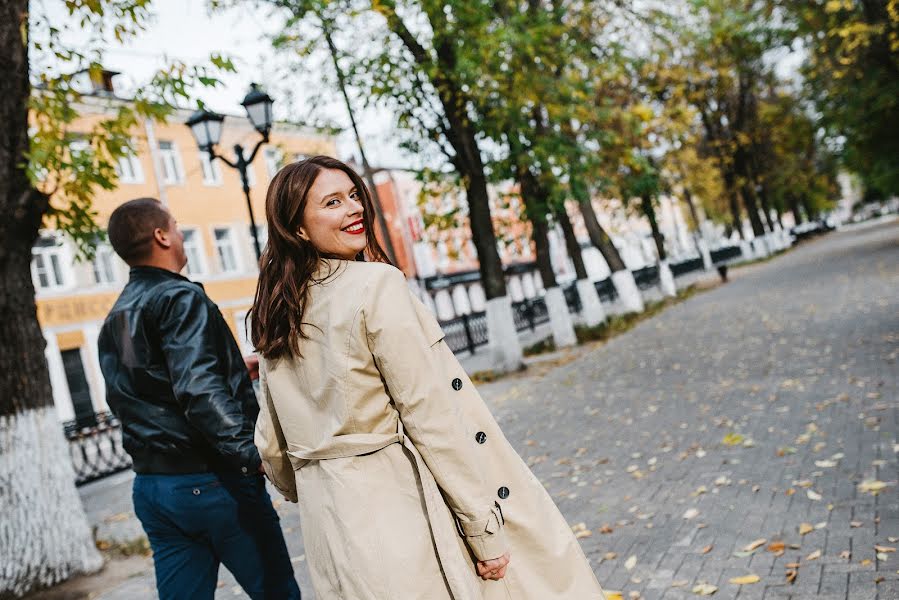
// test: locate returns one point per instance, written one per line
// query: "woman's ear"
(302, 233)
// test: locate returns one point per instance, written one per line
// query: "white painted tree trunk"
(666, 280)
(592, 312)
(44, 534)
(759, 248)
(559, 318)
(706, 255)
(746, 250)
(628, 292)
(503, 343)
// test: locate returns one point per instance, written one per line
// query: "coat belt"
(456, 565)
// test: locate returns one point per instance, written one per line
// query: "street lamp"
(206, 127)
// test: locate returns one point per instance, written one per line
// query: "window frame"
(228, 244)
(171, 157)
(194, 245)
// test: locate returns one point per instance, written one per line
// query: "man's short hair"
(131, 227)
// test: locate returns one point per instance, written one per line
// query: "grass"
(138, 546)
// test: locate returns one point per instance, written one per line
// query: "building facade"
(205, 197)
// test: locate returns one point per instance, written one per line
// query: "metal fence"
(726, 254)
(687, 266)
(96, 450)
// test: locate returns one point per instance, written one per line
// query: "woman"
(406, 486)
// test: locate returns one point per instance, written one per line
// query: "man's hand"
(495, 568)
(252, 363)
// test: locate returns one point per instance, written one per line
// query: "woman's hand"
(495, 568)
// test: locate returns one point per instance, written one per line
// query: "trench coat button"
(457, 384)
(480, 437)
(196, 492)
(244, 469)
(503, 493)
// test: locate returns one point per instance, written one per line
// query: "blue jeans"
(195, 522)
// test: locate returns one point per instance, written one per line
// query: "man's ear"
(162, 237)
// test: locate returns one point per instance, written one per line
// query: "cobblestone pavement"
(740, 433)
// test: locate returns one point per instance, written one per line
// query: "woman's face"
(332, 218)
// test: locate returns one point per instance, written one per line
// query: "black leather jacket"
(176, 379)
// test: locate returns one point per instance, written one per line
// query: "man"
(177, 382)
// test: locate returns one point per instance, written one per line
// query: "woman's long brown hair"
(288, 262)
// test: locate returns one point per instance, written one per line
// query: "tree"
(415, 65)
(44, 536)
(852, 76)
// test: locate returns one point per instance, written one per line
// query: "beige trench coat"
(403, 478)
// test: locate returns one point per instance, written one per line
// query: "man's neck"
(159, 263)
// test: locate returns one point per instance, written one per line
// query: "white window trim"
(177, 163)
(274, 160)
(214, 167)
(65, 260)
(196, 268)
(106, 250)
(235, 252)
(136, 166)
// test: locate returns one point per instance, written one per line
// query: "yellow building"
(208, 201)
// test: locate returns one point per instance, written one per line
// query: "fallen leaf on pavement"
(855, 524)
(613, 595)
(805, 528)
(845, 554)
(691, 513)
(745, 579)
(754, 545)
(884, 548)
(630, 563)
(707, 549)
(704, 589)
(813, 495)
(679, 583)
(872, 486)
(792, 574)
(814, 555)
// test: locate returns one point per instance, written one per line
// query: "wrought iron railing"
(96, 449)
(687, 266)
(646, 277)
(726, 254)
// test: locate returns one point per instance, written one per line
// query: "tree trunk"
(600, 238)
(730, 186)
(650, 212)
(571, 243)
(798, 217)
(44, 534)
(536, 203)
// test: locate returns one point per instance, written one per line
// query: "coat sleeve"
(272, 445)
(196, 352)
(405, 341)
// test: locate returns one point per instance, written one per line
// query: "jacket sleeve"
(272, 445)
(405, 341)
(197, 352)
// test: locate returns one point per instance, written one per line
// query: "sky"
(186, 30)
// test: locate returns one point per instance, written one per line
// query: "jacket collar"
(145, 272)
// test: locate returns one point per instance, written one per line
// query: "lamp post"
(206, 127)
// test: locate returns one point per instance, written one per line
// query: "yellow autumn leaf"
(745, 579)
(704, 589)
(613, 595)
(872, 486)
(805, 528)
(754, 545)
(732, 439)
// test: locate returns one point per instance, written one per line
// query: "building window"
(47, 263)
(104, 266)
(193, 251)
(129, 170)
(212, 171)
(225, 249)
(274, 160)
(251, 175)
(171, 163)
(262, 234)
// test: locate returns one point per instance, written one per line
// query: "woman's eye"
(354, 195)
(332, 202)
